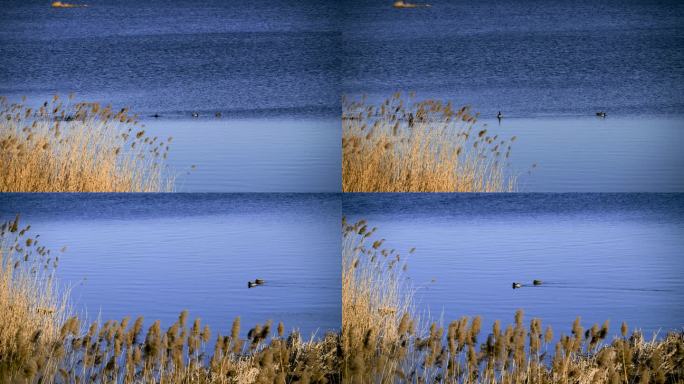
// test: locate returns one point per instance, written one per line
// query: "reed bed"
(31, 308)
(42, 341)
(404, 145)
(63, 146)
(384, 341)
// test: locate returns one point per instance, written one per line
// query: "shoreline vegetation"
(404, 145)
(382, 340)
(63, 146)
(43, 341)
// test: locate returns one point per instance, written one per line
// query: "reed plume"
(41, 342)
(385, 341)
(424, 146)
(33, 313)
(62, 146)
(382, 340)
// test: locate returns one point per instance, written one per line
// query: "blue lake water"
(590, 154)
(616, 257)
(527, 58)
(173, 57)
(271, 68)
(549, 66)
(276, 70)
(157, 254)
(601, 256)
(253, 155)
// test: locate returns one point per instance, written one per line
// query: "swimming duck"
(259, 281)
(195, 114)
(601, 114)
(251, 284)
(537, 282)
(218, 114)
(516, 285)
(156, 115)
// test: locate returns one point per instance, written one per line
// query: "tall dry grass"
(381, 340)
(41, 341)
(420, 146)
(375, 301)
(63, 146)
(31, 308)
(384, 341)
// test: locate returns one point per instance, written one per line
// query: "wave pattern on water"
(274, 58)
(599, 256)
(157, 254)
(527, 58)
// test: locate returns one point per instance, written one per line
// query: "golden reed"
(42, 342)
(381, 340)
(384, 341)
(78, 147)
(403, 145)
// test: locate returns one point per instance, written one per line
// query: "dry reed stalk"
(377, 307)
(381, 340)
(426, 146)
(399, 347)
(81, 147)
(32, 310)
(41, 343)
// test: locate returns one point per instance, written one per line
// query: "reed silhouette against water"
(382, 340)
(385, 341)
(63, 146)
(32, 311)
(41, 341)
(403, 145)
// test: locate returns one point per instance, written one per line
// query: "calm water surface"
(601, 256)
(271, 68)
(589, 154)
(549, 66)
(247, 155)
(155, 255)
